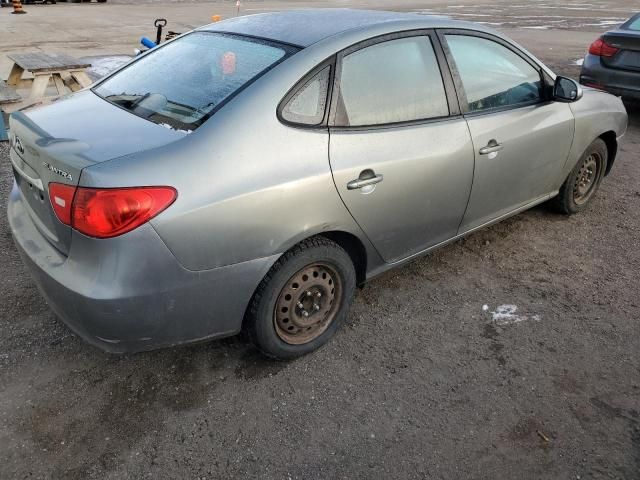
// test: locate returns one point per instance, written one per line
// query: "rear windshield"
(633, 24)
(180, 84)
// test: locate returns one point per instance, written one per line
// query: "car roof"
(307, 26)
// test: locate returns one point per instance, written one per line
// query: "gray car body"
(250, 187)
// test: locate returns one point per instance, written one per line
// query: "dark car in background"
(613, 61)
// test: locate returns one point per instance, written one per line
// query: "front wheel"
(303, 300)
(584, 180)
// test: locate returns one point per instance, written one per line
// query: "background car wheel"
(303, 300)
(584, 180)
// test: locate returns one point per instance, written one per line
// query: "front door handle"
(364, 182)
(492, 147)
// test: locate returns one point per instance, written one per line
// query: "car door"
(400, 153)
(521, 137)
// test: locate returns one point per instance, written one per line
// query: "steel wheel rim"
(308, 304)
(587, 179)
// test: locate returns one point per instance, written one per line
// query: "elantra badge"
(58, 171)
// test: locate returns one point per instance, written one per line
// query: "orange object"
(228, 63)
(17, 7)
(216, 18)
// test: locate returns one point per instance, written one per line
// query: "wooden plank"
(39, 87)
(46, 62)
(57, 79)
(25, 83)
(8, 94)
(70, 82)
(15, 75)
(82, 78)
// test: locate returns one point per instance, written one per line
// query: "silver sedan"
(252, 173)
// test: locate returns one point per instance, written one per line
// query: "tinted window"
(492, 75)
(181, 83)
(308, 103)
(390, 82)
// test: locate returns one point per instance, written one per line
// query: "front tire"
(583, 182)
(303, 299)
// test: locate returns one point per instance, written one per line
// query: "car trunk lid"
(54, 143)
(628, 43)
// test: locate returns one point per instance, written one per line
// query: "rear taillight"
(601, 48)
(108, 212)
(61, 197)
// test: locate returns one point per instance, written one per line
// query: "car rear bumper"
(623, 83)
(129, 293)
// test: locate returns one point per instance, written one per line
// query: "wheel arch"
(611, 142)
(355, 248)
(350, 242)
(361, 254)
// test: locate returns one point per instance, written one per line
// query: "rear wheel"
(303, 300)
(584, 180)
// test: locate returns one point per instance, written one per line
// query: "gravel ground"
(421, 382)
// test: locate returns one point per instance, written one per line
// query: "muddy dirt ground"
(420, 383)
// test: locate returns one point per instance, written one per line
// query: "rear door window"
(492, 75)
(390, 82)
(182, 83)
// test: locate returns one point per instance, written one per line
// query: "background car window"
(308, 104)
(181, 83)
(492, 75)
(633, 24)
(390, 82)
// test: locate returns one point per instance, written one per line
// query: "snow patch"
(166, 125)
(603, 23)
(102, 66)
(506, 315)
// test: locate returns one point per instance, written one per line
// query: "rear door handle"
(492, 147)
(364, 182)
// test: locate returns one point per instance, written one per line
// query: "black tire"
(571, 198)
(260, 319)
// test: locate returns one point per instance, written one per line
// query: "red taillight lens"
(109, 212)
(601, 48)
(61, 197)
(105, 213)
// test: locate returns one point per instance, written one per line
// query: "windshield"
(181, 84)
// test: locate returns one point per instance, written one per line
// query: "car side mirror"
(566, 90)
